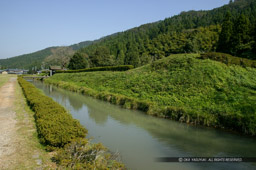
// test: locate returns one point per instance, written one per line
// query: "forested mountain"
(229, 29)
(43, 58)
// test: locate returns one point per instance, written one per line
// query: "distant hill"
(44, 58)
(27, 60)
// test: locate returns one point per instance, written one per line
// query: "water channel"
(140, 138)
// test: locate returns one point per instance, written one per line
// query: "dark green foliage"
(132, 58)
(101, 57)
(120, 58)
(180, 87)
(55, 126)
(229, 59)
(241, 45)
(106, 68)
(254, 37)
(224, 44)
(128, 51)
(236, 37)
(78, 61)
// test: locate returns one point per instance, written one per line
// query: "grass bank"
(180, 87)
(58, 131)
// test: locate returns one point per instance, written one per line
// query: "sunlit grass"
(201, 91)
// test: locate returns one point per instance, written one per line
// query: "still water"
(140, 138)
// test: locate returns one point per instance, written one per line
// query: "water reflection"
(141, 138)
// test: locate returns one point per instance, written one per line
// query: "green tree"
(132, 58)
(78, 61)
(120, 57)
(102, 57)
(224, 44)
(192, 45)
(145, 59)
(254, 37)
(132, 55)
(240, 38)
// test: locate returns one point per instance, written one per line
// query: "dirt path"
(7, 123)
(19, 145)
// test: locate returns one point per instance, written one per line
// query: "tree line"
(238, 36)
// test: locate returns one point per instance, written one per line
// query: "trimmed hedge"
(229, 59)
(107, 68)
(55, 126)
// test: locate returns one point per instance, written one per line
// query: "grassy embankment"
(179, 87)
(57, 130)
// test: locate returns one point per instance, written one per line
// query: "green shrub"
(106, 68)
(81, 154)
(229, 59)
(55, 126)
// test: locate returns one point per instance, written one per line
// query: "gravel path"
(7, 123)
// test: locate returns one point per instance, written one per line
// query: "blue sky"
(30, 25)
